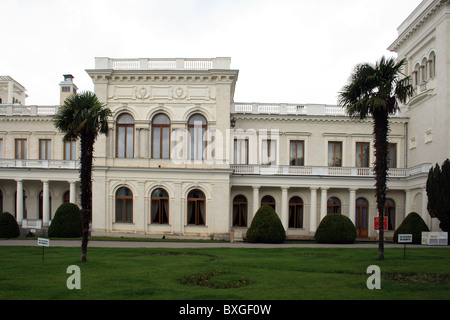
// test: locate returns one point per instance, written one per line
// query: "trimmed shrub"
(336, 228)
(266, 227)
(66, 223)
(8, 226)
(413, 224)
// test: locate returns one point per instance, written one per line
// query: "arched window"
(66, 197)
(268, 201)
(161, 137)
(124, 205)
(296, 213)
(432, 62)
(333, 205)
(160, 207)
(389, 212)
(41, 205)
(125, 136)
(362, 217)
(196, 214)
(240, 206)
(197, 127)
(416, 75)
(424, 69)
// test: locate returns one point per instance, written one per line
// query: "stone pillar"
(255, 201)
(137, 153)
(19, 201)
(284, 207)
(323, 203)
(425, 215)
(112, 141)
(313, 210)
(352, 205)
(147, 143)
(73, 192)
(45, 203)
(407, 202)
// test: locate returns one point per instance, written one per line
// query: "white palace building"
(183, 159)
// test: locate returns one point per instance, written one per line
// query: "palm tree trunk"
(87, 149)
(380, 131)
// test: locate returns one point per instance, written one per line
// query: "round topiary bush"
(336, 228)
(413, 224)
(66, 223)
(266, 227)
(8, 226)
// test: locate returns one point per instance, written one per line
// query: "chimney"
(67, 88)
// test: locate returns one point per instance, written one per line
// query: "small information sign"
(43, 242)
(405, 238)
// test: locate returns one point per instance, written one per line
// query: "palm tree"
(83, 117)
(375, 90)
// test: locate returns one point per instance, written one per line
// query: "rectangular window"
(268, 156)
(70, 150)
(21, 149)
(45, 149)
(240, 151)
(297, 153)
(362, 154)
(392, 155)
(1, 148)
(335, 154)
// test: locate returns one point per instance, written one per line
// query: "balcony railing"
(325, 171)
(21, 110)
(292, 109)
(39, 164)
(163, 64)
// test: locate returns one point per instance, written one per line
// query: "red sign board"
(376, 224)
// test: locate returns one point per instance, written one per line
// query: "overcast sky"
(287, 51)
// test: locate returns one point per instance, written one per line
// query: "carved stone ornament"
(179, 92)
(142, 93)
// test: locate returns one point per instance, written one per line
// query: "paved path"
(172, 244)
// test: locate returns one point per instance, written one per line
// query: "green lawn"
(228, 274)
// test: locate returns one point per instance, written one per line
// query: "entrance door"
(362, 218)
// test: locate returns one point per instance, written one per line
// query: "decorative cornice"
(417, 24)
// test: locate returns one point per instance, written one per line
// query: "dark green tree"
(84, 117)
(438, 191)
(266, 227)
(375, 90)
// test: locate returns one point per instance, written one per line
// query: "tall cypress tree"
(438, 191)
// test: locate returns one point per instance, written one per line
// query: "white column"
(284, 207)
(11, 92)
(147, 143)
(73, 196)
(255, 201)
(323, 203)
(19, 201)
(112, 140)
(138, 143)
(425, 215)
(313, 210)
(352, 205)
(45, 203)
(407, 203)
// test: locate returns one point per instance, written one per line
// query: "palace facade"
(183, 159)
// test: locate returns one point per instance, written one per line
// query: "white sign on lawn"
(405, 238)
(43, 242)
